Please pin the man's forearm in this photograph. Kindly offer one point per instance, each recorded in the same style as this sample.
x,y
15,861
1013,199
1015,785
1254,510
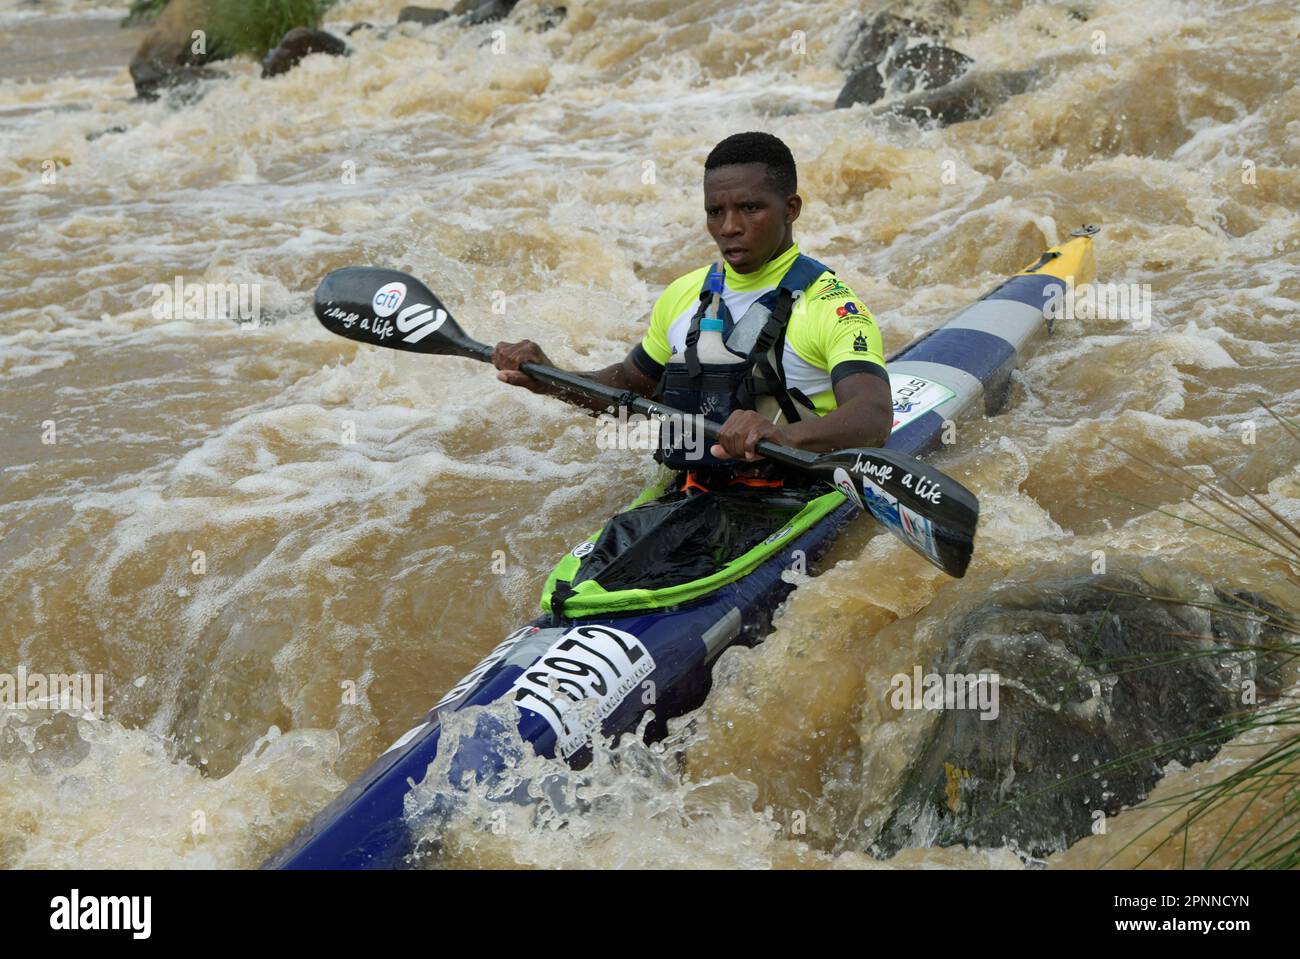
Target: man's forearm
x,y
612,376
857,423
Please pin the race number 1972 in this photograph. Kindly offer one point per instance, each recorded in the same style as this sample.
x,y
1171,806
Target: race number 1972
x,y
595,666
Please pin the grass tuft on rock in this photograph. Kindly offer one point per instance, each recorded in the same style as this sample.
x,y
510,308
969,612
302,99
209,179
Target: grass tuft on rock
x,y
1263,796
235,27
254,27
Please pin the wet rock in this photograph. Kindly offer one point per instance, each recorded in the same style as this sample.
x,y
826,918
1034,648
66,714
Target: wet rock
x,y
298,43
92,137
473,12
972,96
425,16
873,39
169,55
904,51
152,79
173,54
864,86
1097,692
925,67
485,11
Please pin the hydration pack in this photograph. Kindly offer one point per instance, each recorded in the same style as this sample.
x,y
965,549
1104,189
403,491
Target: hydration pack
x,y
756,376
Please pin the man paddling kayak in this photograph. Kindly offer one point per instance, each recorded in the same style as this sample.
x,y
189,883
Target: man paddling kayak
x,y
772,345
605,646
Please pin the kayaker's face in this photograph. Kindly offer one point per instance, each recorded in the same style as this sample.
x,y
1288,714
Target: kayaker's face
x,y
749,220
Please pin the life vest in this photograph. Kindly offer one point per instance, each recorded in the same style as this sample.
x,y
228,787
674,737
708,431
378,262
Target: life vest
x,y
716,390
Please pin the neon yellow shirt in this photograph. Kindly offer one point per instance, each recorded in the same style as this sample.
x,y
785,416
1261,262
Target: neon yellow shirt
x,y
831,334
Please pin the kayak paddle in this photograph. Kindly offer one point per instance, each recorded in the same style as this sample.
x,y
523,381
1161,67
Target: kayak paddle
x,y
928,510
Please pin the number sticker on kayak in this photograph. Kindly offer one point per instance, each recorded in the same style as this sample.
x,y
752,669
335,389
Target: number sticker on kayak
x,y
915,396
593,665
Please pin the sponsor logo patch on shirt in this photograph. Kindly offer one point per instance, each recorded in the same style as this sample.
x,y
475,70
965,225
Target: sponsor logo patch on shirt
x,y
853,313
835,290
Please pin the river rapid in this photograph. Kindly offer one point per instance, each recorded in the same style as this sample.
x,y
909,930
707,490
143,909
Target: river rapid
x,y
279,548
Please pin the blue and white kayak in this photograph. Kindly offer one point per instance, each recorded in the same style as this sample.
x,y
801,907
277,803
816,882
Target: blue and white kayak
x,y
960,368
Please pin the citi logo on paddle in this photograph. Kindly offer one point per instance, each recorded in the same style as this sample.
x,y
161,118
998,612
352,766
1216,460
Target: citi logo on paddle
x,y
977,691
388,298
417,320
70,692
76,912
208,301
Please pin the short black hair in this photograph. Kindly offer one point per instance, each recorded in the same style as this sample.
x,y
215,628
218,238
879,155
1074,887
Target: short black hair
x,y
757,147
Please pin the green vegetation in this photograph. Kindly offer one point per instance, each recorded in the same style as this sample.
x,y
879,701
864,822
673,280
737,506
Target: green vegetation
x,y
143,11
242,26
255,27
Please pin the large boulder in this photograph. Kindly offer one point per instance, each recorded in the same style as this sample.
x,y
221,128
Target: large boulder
x,y
170,54
872,39
153,77
975,95
896,53
298,43
1099,688
184,39
925,67
864,85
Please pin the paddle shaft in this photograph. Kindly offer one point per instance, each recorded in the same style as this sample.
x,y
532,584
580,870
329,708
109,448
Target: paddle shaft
x,y
929,511
581,386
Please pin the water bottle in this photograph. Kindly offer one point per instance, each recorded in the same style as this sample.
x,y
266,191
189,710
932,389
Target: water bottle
x,y
710,347
711,396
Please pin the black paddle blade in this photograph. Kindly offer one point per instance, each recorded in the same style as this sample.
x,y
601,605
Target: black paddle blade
x,y
391,309
931,512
